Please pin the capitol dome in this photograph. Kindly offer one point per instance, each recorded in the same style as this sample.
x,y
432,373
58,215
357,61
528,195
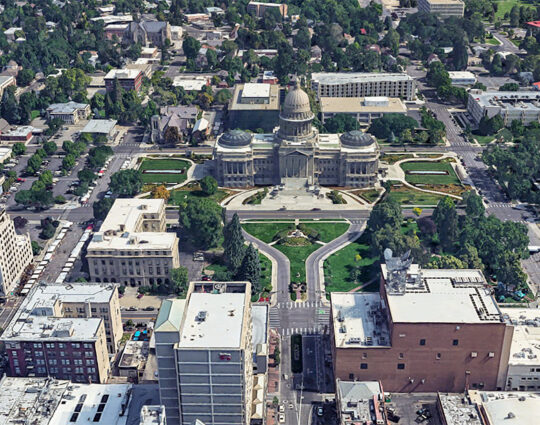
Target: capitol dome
x,y
356,139
235,138
296,105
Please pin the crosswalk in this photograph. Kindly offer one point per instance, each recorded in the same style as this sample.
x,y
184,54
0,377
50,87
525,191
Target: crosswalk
x,y
305,304
274,318
314,330
500,205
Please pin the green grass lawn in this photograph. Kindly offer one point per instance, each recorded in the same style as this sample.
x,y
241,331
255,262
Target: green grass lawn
x,y
484,140
369,195
266,231
34,114
505,6
297,256
337,267
414,197
178,196
449,178
329,231
164,164
493,41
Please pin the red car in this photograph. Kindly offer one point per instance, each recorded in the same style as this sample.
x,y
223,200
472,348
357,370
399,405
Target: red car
x,y
20,179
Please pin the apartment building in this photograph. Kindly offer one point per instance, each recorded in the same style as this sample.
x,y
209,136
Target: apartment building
x,y
523,106
63,348
129,79
132,246
204,355
259,8
427,330
360,84
442,8
15,254
81,300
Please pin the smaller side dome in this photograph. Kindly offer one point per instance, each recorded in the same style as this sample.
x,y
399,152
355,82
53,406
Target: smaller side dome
x,y
235,138
356,139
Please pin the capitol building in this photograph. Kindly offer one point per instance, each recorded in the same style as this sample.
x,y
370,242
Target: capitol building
x,y
296,150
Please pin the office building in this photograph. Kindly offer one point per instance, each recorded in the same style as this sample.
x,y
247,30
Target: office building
x,y
132,246
523,106
204,355
46,401
427,330
15,254
97,128
363,109
259,8
524,364
63,348
296,150
442,8
70,112
129,79
21,134
133,359
363,84
254,106
462,78
80,300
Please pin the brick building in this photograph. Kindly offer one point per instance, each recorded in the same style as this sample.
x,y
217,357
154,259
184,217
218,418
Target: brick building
x,y
426,330
129,79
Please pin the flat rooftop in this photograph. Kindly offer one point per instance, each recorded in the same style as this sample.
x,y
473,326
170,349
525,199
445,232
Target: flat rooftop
x,y
19,131
458,410
244,95
524,406
357,77
125,213
43,295
443,296
358,320
213,321
461,74
525,349
134,355
93,404
66,108
362,104
134,241
99,126
521,100
122,74
442,2
33,400
259,325
256,90
357,400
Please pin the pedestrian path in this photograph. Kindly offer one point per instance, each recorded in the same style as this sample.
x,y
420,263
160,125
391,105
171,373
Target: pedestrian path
x,y
313,330
274,318
500,205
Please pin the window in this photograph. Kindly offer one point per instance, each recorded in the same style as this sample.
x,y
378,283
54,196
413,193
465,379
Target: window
x,y
455,342
364,355
401,366
351,376
76,345
438,356
401,355
422,341
363,365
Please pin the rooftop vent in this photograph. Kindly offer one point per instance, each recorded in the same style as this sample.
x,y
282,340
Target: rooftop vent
x,y
231,312
201,316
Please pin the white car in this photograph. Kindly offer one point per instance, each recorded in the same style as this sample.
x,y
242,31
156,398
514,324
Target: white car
x,y
281,418
281,408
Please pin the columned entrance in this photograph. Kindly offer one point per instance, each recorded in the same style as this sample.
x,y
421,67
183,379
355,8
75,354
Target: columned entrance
x,y
296,166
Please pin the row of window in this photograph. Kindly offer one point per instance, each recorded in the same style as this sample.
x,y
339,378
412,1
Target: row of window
x,y
75,345
54,370
455,342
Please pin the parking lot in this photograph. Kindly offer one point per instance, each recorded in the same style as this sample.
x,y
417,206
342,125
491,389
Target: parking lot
x,y
406,406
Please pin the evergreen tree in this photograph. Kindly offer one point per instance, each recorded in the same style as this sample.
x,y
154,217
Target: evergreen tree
x,y
250,269
233,244
445,216
9,109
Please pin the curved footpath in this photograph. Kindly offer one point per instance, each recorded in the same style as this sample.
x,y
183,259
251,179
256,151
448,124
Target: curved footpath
x,y
281,268
314,263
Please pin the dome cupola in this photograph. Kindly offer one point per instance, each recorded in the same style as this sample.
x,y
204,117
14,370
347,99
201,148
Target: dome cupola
x,y
356,139
235,138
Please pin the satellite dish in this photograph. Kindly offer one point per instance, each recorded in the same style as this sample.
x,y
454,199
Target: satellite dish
x,y
387,254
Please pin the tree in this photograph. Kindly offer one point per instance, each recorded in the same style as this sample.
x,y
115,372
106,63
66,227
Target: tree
x,y
488,126
47,231
9,109
383,127
160,192
474,207
180,280
36,248
509,87
250,269
101,208
126,182
50,148
201,217
46,178
391,40
171,136
388,211
25,77
445,262
68,162
445,217
86,175
514,16
33,165
341,123
209,185
233,244
191,47
19,222
18,149
223,96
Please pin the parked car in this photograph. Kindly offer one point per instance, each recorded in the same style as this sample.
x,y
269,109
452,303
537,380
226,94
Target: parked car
x,y
132,309
140,295
320,411
281,418
149,308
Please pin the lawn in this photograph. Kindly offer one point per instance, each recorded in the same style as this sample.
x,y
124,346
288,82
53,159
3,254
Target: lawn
x,y
337,267
505,6
493,41
407,196
484,140
297,256
449,178
180,195
266,231
328,231
164,164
